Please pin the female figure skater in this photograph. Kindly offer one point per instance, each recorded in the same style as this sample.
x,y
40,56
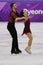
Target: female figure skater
x,y
27,30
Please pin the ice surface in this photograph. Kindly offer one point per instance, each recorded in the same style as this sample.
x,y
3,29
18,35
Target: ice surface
x,y
36,58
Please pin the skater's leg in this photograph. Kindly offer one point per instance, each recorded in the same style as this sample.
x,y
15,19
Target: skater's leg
x,y
28,48
13,35
30,39
16,41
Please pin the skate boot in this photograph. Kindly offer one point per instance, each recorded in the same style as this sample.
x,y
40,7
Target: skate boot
x,y
28,49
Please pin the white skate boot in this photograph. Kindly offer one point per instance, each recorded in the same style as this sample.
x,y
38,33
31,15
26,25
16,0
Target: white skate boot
x,y
28,49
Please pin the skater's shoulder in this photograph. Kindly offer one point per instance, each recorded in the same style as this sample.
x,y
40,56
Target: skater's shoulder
x,y
11,13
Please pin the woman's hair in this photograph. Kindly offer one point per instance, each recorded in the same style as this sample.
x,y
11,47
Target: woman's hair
x,y
11,5
21,13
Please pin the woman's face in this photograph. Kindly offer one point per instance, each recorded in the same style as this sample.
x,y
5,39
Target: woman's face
x,y
25,13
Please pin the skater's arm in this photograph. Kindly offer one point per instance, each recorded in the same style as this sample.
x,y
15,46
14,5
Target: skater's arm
x,y
20,18
29,17
17,18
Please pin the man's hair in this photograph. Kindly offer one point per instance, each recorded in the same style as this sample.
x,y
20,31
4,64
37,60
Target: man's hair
x,y
11,5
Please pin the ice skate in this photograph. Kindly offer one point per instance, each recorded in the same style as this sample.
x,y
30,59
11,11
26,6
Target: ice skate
x,y
28,50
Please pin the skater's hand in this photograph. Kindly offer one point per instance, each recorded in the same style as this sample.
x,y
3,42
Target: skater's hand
x,y
31,16
16,19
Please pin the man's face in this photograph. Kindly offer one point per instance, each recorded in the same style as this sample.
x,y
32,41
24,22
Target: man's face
x,y
15,6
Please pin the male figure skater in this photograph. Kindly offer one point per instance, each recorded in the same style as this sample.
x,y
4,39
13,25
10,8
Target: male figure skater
x,y
14,16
